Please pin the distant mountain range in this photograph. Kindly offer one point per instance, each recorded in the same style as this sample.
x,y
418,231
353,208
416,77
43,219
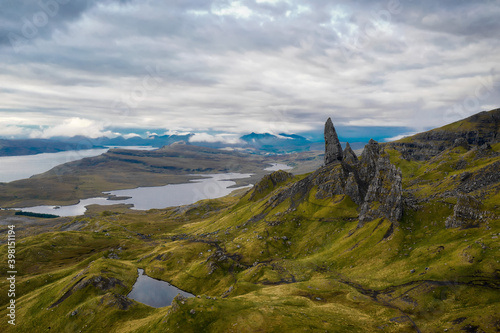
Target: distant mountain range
x,y
264,143
38,146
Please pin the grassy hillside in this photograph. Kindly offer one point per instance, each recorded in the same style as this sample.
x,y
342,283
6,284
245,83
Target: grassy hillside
x,y
300,264
309,267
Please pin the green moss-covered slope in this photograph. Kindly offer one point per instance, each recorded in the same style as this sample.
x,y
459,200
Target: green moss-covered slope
x,y
301,263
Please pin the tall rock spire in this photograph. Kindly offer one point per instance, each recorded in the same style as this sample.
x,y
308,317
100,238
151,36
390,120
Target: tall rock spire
x,y
333,149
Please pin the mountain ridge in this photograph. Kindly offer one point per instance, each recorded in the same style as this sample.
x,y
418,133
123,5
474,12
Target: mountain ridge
x,y
479,129
259,143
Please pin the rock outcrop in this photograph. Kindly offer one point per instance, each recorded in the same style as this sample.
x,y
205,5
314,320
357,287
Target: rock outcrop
x,y
349,155
368,161
116,300
352,189
467,213
99,282
372,182
480,179
333,149
384,196
269,182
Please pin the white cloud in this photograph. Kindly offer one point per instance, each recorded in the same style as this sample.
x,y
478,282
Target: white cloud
x,y
399,137
268,1
73,127
224,138
130,135
174,132
12,131
236,9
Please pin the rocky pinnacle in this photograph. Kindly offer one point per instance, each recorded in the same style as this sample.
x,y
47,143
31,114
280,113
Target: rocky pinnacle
x,y
349,155
333,149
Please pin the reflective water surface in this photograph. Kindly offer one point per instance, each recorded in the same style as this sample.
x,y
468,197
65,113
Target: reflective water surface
x,y
22,167
154,292
278,166
157,197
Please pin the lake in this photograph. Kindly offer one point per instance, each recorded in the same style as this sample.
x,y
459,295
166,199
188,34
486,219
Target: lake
x,y
278,166
22,167
154,292
144,198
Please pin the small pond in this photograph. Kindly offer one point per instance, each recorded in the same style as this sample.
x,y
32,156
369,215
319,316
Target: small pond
x,y
154,292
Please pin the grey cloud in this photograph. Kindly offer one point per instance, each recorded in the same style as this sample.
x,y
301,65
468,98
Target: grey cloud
x,y
30,18
253,72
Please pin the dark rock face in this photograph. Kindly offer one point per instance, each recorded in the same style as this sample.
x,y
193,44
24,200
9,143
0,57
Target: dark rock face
x,y
330,181
349,155
417,151
461,142
333,149
368,161
352,189
384,196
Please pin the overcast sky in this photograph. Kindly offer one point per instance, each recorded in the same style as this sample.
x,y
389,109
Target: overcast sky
x,y
97,67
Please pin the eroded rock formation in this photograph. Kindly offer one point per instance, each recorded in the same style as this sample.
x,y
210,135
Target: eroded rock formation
x,y
333,149
384,195
467,213
372,182
349,155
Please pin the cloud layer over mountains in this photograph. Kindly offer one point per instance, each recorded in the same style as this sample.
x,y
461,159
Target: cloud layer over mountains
x,y
278,66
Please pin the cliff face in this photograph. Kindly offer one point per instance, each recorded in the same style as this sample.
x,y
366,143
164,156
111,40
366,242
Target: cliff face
x,y
372,182
384,195
477,130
